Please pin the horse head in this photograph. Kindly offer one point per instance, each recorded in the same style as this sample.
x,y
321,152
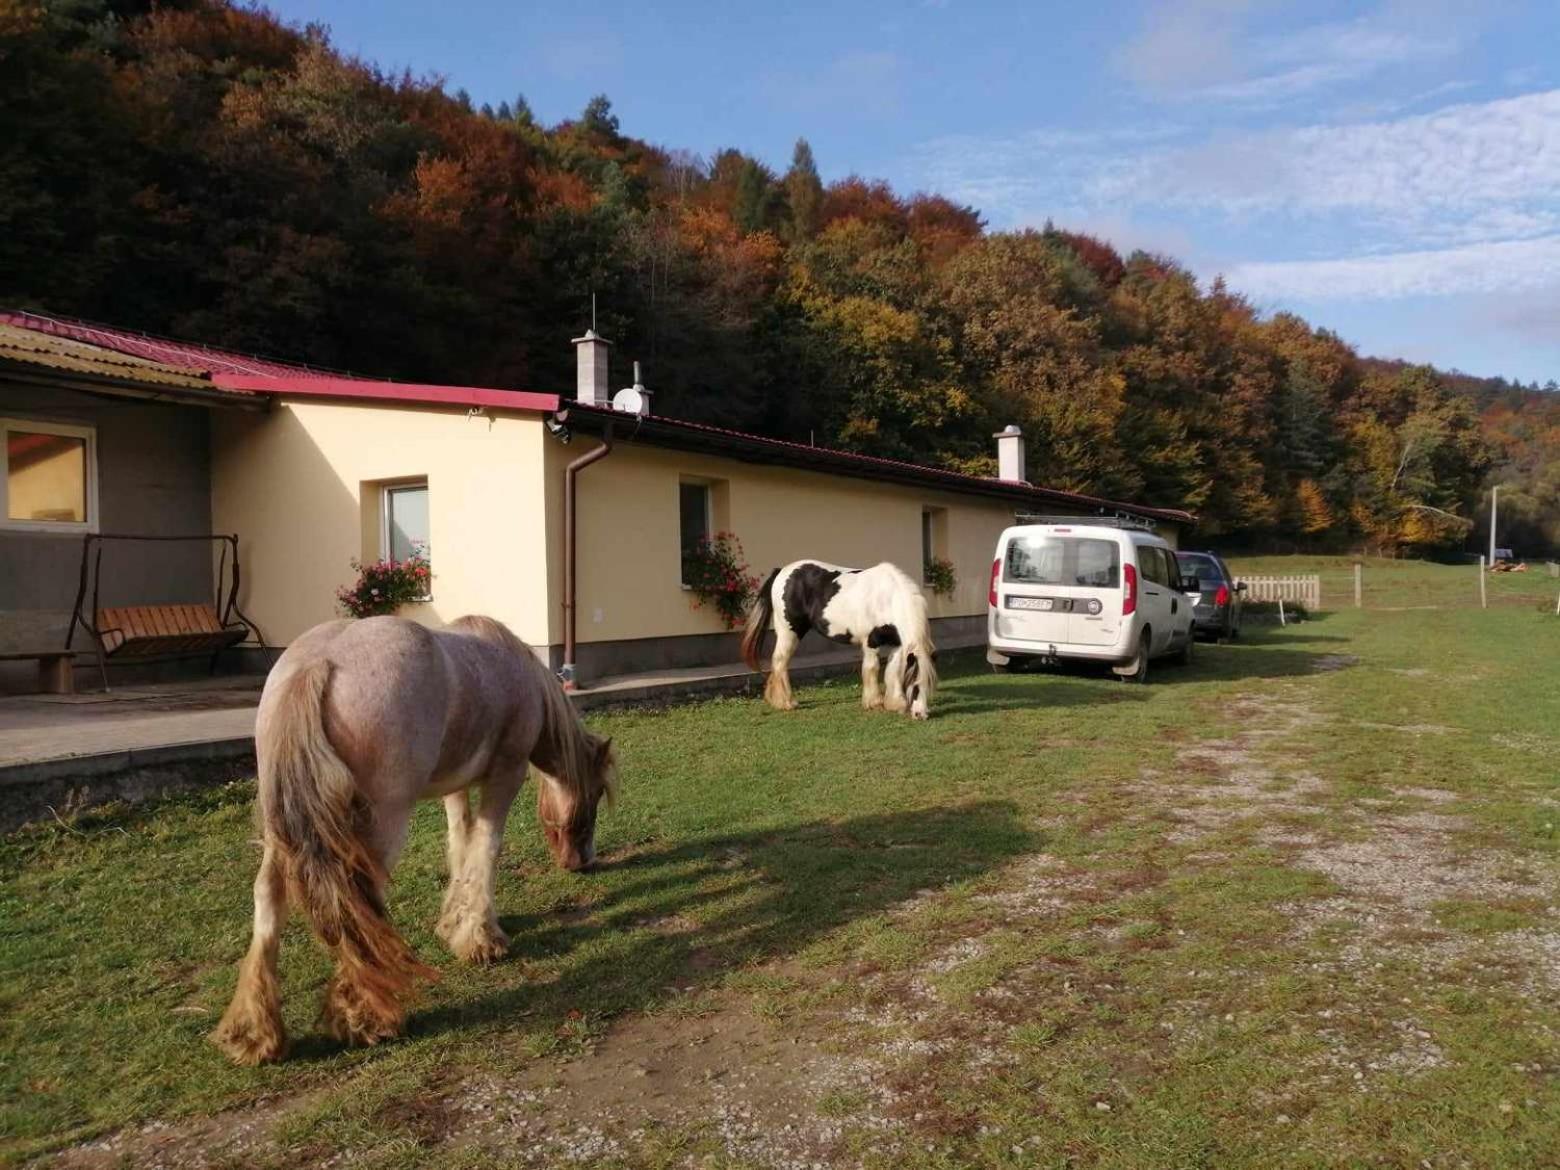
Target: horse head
x,y
566,806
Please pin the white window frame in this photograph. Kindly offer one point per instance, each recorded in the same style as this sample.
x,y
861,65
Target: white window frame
x,y
40,427
385,492
709,517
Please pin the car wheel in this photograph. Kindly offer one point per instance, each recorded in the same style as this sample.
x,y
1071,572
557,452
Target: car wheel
x,y
1183,656
1136,670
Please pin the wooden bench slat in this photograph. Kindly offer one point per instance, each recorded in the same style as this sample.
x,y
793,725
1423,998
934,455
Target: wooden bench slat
x,y
144,631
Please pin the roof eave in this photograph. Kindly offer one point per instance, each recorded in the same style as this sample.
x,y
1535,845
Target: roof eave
x,y
407,393
128,388
757,449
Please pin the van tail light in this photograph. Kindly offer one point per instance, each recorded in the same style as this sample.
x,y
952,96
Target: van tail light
x,y
1129,595
1222,597
996,571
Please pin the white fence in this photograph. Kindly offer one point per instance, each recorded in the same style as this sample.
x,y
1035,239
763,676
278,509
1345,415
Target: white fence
x,y
1305,590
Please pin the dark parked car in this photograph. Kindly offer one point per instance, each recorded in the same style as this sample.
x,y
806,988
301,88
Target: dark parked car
x,y
1216,602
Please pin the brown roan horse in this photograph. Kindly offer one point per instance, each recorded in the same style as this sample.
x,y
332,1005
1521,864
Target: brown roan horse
x,y
359,720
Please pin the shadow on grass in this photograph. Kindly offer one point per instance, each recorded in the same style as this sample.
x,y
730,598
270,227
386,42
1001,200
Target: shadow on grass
x,y
1074,683
652,932
1024,690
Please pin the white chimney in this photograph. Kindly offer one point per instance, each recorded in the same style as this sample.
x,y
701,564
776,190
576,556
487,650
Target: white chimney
x,y
590,364
1010,454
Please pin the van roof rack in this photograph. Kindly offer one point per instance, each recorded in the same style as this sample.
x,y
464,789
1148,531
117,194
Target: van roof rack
x,y
1119,520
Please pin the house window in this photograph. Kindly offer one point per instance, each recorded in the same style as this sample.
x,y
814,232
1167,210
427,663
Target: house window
x,y
693,506
50,481
406,521
934,538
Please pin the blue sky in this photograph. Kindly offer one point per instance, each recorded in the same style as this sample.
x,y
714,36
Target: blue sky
x,y
1388,170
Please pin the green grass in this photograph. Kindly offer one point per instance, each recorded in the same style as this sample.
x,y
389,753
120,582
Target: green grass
x,y
779,865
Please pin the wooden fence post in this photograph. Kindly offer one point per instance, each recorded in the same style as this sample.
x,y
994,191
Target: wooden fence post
x,y
1483,600
1359,571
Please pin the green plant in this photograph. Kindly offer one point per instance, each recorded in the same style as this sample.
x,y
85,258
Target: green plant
x,y
939,574
715,571
384,586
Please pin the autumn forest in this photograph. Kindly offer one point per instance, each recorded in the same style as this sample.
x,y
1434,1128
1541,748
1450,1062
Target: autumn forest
x,y
204,171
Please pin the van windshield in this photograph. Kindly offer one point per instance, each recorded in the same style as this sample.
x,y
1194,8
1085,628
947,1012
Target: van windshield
x,y
1063,560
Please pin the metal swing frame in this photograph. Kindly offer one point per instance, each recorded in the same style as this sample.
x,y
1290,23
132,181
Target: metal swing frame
x,y
169,643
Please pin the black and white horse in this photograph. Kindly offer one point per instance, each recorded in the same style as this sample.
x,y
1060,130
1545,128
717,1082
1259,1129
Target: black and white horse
x,y
879,608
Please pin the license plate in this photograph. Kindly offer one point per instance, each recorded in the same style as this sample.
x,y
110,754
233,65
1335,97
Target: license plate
x,y
1040,603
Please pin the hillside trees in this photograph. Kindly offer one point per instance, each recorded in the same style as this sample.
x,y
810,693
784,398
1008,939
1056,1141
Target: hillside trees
x,y
201,169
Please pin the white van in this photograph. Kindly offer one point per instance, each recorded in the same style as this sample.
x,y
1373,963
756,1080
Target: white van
x,y
1094,588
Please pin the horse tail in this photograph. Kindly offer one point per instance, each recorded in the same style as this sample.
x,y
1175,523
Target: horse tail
x,y
312,813
760,614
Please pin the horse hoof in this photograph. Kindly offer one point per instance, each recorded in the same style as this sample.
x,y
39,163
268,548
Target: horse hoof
x,y
353,1017
251,1041
481,947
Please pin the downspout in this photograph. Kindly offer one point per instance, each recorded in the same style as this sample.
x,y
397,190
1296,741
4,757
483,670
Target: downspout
x,y
570,520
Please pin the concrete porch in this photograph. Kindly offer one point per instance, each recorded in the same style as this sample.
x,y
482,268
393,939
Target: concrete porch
x,y
63,753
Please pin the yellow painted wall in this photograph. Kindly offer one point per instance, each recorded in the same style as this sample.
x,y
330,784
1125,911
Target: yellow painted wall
x,y
291,482
299,484
629,555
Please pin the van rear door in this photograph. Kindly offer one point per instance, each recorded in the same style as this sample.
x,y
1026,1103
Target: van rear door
x,y
1061,588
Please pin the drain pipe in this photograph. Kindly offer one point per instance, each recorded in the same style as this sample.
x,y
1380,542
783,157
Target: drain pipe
x,y
570,520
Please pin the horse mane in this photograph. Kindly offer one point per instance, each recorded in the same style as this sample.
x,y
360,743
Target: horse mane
x,y
571,751
915,632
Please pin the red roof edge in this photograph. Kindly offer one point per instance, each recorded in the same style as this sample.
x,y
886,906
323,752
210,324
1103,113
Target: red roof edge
x,y
313,386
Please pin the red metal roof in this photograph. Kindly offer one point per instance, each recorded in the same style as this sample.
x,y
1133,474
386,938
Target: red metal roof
x,y
240,374
185,354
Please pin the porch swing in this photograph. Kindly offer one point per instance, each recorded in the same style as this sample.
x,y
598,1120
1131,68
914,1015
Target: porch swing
x,y
160,633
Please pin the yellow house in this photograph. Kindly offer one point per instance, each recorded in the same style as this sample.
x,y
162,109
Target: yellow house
x,y
331,469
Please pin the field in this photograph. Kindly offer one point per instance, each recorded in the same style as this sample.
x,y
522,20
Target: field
x,y
1292,905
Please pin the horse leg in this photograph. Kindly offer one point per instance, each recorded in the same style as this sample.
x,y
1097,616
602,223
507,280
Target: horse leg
x,y
895,679
251,1030
457,810
871,691
362,1005
778,689
476,936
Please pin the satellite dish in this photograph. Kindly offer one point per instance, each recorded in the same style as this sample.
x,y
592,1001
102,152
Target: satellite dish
x,y
633,400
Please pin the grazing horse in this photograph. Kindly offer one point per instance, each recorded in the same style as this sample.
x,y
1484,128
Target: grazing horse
x,y
874,608
359,720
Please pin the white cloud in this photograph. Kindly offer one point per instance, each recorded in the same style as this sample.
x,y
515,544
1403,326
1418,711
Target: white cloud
x,y
1506,266
1461,157
1203,50
867,82
1463,199
1185,45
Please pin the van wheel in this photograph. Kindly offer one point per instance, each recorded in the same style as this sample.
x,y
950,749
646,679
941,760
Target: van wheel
x,y
1136,671
1013,665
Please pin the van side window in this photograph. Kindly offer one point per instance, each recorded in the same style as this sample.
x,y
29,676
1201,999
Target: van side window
x,y
1152,559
